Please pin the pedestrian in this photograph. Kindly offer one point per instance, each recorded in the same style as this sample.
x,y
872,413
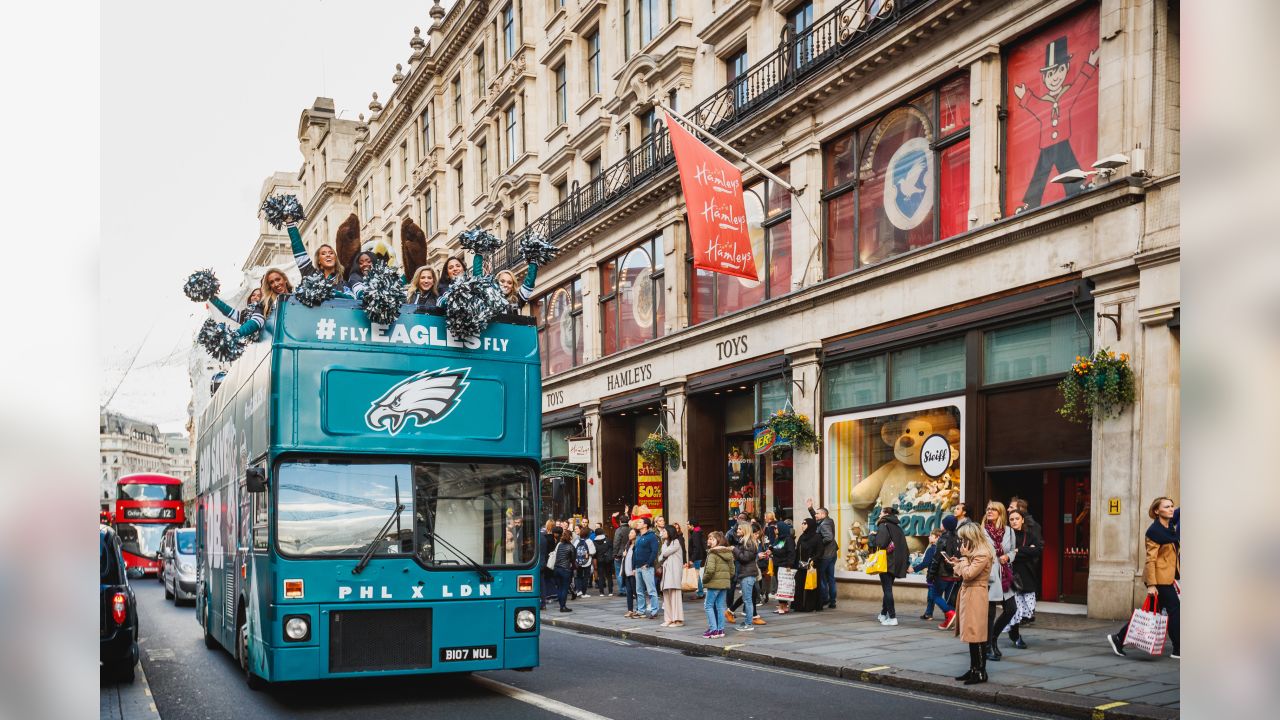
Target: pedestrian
x,y
1036,531
808,552
547,539
564,564
765,563
973,568
620,543
784,556
767,539
645,558
1163,542
746,555
672,577
1002,609
715,579
732,539
697,553
1026,573
604,562
941,575
584,554
629,573
926,564
830,549
891,539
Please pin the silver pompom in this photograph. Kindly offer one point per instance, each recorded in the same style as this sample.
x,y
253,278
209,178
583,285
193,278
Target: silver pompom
x,y
535,249
383,294
314,289
201,286
480,241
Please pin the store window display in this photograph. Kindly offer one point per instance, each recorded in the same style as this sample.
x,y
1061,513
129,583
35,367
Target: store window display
x,y
907,458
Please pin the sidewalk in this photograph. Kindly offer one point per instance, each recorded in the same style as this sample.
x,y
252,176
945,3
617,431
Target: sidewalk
x,y
1068,668
127,701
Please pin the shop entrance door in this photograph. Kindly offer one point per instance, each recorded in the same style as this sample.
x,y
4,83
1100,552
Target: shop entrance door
x,y
741,478
1059,501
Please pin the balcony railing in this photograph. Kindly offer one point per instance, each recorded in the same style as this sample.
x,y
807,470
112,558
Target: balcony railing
x,y
799,56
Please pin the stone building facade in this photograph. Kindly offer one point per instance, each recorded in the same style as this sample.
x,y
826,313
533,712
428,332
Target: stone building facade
x,y
935,272
128,446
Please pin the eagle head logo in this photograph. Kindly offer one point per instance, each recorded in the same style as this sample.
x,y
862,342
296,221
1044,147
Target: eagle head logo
x,y
424,398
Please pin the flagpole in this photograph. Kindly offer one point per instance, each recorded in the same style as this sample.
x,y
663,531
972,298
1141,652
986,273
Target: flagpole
x,y
728,148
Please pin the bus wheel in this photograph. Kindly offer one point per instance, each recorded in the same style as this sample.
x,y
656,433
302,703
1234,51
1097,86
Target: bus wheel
x,y
209,641
242,650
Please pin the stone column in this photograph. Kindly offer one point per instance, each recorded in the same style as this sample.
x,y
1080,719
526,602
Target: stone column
x,y
804,398
1115,546
985,98
678,479
806,246
591,421
675,270
591,340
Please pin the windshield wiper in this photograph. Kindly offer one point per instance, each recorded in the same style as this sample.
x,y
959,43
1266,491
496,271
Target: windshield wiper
x,y
368,554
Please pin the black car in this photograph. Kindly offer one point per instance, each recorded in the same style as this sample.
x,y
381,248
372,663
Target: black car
x,y
118,612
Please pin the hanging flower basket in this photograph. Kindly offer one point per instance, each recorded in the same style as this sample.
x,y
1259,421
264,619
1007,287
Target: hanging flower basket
x,y
1097,387
660,444
795,428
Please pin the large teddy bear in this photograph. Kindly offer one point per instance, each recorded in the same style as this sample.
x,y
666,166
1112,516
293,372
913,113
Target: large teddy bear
x,y
900,482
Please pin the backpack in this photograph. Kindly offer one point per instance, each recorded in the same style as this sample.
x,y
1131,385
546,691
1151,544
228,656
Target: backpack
x,y
584,550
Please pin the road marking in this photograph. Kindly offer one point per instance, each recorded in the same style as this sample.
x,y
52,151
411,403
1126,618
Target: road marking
x,y
154,654
877,668
1100,711
914,695
536,700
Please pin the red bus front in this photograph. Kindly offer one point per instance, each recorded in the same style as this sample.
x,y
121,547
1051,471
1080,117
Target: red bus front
x,y
146,506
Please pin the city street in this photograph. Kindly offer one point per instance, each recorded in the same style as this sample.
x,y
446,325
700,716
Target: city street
x,y
581,676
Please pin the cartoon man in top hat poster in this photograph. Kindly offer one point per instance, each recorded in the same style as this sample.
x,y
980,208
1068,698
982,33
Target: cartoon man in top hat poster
x,y
1053,109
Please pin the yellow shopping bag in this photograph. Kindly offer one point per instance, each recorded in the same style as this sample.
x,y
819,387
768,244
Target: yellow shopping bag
x,y
811,578
877,563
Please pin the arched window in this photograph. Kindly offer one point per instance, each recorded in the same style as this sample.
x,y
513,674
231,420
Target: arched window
x,y
559,315
632,292
899,182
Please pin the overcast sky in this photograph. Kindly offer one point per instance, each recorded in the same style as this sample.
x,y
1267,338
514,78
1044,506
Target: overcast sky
x,y
200,103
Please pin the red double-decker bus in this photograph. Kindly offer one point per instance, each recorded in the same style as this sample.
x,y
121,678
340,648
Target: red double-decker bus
x,y
147,504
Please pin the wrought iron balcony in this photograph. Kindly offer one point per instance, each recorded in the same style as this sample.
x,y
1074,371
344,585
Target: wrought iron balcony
x,y
798,57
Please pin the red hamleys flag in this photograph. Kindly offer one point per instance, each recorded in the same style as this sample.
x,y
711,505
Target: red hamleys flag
x,y
717,213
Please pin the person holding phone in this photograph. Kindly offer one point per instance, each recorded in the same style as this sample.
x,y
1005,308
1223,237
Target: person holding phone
x,y
973,567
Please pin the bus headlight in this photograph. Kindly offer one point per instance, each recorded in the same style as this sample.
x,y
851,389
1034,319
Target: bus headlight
x,y
525,619
296,628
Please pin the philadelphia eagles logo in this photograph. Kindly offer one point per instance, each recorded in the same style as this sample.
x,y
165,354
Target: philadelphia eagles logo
x,y
424,398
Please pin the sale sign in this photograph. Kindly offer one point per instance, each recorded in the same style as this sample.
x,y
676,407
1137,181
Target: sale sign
x,y
649,485
717,213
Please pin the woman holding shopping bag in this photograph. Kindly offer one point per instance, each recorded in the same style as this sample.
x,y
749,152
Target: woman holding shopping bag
x,y
808,551
1164,543
974,570
891,539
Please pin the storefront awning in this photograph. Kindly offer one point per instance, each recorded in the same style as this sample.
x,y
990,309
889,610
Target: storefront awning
x,y
636,399
738,374
567,416
1041,299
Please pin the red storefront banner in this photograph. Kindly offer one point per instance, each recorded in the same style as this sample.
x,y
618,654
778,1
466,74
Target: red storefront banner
x,y
717,213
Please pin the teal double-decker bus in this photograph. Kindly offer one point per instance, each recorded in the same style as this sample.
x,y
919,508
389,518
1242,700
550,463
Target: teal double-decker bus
x,y
368,498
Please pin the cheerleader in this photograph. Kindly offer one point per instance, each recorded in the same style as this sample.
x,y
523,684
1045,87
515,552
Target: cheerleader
x,y
422,288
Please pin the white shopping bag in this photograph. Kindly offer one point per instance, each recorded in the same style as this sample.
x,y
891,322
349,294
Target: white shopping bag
x,y
1147,628
786,585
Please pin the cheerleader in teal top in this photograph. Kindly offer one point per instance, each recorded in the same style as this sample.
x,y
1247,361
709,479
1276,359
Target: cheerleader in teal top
x,y
326,261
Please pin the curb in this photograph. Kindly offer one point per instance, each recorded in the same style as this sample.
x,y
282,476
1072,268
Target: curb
x,y
1023,698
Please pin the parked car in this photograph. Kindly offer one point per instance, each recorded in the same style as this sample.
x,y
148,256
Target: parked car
x,y
118,612
178,573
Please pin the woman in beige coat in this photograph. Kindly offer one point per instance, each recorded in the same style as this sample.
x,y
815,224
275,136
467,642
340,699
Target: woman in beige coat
x,y
973,569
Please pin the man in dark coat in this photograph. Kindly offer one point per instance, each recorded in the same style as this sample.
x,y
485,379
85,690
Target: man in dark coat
x,y
830,549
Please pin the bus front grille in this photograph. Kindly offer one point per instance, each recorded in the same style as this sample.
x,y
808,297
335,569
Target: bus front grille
x,y
379,639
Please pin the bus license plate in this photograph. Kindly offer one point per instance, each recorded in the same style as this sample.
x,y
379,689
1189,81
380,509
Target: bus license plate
x,y
462,654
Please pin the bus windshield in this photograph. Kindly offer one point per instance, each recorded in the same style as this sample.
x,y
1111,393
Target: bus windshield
x,y
453,513
144,491
141,540
186,541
